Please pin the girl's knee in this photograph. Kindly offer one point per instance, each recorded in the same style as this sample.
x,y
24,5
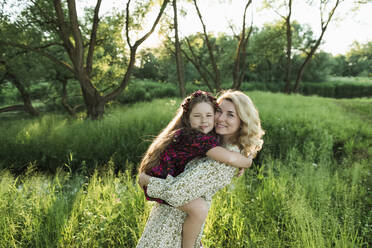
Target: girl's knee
x,y
199,209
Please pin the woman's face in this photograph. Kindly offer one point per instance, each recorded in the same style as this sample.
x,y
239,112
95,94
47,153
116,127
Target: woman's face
x,y
227,121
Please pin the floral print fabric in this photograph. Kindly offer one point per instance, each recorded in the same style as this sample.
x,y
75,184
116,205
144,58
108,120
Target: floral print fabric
x,y
186,145
201,178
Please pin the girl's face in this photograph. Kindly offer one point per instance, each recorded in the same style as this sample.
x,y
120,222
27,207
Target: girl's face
x,y
227,121
202,117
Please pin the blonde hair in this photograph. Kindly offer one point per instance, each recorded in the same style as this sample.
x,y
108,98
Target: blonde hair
x,y
249,137
180,120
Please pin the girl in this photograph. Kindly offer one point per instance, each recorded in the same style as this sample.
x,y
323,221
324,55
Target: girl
x,y
189,135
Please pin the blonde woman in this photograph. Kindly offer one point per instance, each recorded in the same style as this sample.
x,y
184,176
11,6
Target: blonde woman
x,y
237,122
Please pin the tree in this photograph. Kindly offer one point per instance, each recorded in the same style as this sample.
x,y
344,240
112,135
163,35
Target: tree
x,y
148,67
326,15
18,67
266,53
325,19
207,74
318,69
359,59
178,54
284,10
9,75
241,51
61,27
217,78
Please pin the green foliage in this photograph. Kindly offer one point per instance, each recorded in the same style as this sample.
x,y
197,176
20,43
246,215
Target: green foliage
x,y
309,186
359,59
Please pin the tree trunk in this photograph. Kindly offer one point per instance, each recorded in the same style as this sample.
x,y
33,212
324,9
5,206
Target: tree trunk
x,y
217,78
302,69
65,104
27,105
239,61
72,39
288,68
202,70
93,100
180,70
12,108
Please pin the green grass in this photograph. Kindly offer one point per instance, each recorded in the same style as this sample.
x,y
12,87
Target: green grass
x,y
53,140
316,126
310,186
295,204
68,210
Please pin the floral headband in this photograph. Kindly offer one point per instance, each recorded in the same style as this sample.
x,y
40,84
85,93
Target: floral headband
x,y
198,93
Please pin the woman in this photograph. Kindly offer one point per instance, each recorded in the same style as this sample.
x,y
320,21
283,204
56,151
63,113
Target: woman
x,y
238,123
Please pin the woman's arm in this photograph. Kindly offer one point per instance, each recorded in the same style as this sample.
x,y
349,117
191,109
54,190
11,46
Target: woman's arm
x,y
205,177
231,158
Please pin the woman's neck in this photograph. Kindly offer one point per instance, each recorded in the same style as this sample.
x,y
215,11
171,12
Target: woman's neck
x,y
227,139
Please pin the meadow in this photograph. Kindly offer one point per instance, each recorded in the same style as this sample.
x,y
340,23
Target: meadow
x,y
70,182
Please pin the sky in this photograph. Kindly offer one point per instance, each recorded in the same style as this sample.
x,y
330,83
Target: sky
x,y
344,29
347,27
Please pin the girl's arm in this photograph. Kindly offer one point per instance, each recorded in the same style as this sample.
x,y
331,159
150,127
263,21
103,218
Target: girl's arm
x,y
231,158
203,178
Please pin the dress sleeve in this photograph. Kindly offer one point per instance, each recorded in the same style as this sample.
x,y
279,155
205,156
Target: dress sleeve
x,y
202,178
195,143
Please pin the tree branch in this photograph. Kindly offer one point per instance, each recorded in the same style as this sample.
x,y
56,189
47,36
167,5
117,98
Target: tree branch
x,y
127,24
210,50
93,37
139,42
63,30
133,50
39,51
79,48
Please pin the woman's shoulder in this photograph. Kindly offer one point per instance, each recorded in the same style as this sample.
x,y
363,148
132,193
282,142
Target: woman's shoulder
x,y
232,147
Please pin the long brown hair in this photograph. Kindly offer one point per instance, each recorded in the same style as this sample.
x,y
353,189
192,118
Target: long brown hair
x,y
180,120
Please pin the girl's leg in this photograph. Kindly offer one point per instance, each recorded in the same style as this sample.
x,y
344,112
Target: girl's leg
x,y
197,211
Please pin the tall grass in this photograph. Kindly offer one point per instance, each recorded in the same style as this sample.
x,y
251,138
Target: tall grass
x,y
310,186
317,126
53,140
66,210
277,206
307,207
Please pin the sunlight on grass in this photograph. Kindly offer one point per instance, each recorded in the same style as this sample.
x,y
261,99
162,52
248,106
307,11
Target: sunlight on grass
x,y
310,186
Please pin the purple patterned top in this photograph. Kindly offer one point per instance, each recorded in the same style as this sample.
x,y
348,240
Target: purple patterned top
x,y
186,146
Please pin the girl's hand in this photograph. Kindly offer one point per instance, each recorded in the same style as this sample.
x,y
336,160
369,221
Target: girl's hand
x,y
241,172
143,179
250,157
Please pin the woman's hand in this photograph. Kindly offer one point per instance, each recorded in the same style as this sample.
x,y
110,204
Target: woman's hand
x,y
143,179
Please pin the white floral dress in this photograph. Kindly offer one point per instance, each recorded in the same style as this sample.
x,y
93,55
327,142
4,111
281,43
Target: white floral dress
x,y
201,178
